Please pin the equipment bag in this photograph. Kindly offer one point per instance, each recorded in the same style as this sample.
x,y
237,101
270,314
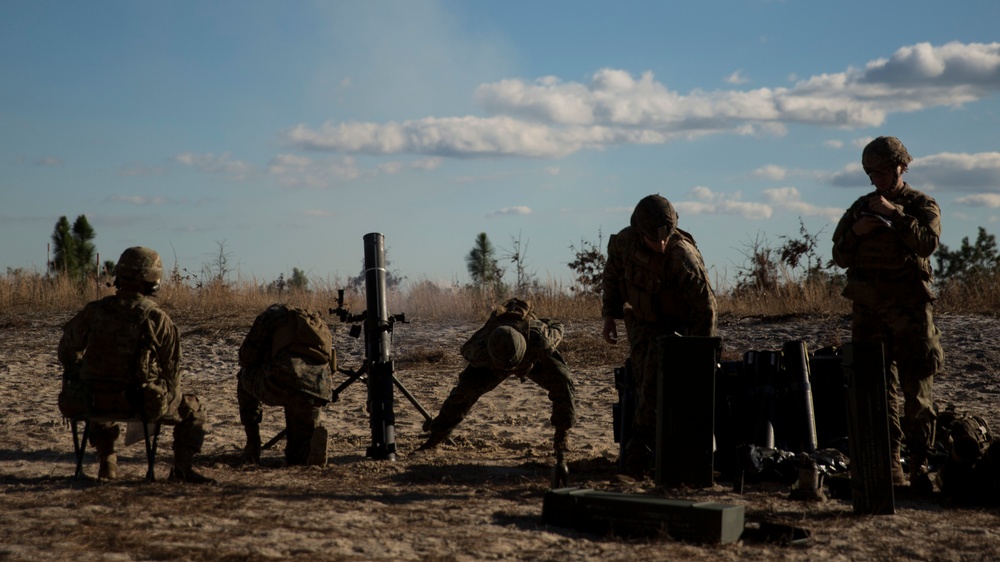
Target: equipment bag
x,y
304,334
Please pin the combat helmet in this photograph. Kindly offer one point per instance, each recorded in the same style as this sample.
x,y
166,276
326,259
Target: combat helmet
x,y
506,347
654,217
140,264
883,153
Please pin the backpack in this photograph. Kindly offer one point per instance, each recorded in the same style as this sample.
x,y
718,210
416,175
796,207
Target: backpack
x,y
304,334
514,313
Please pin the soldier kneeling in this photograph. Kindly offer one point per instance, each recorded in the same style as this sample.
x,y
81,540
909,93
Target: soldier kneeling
x,y
287,359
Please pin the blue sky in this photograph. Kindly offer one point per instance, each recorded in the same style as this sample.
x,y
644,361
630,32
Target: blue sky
x,y
284,132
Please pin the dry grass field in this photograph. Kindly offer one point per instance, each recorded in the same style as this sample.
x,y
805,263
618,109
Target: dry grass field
x,y
479,498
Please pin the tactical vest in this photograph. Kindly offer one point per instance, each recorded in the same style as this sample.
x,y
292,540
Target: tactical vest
x,y
884,250
653,296
515,313
119,347
303,334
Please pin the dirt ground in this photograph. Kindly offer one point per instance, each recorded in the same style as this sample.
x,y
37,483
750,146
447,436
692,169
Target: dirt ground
x,y
477,499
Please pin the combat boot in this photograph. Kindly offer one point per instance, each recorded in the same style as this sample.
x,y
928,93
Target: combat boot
x,y
184,472
107,459
433,440
920,481
108,466
318,447
896,466
637,458
251,451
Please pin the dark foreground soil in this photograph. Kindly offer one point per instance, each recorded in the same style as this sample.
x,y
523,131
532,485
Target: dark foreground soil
x,y
479,498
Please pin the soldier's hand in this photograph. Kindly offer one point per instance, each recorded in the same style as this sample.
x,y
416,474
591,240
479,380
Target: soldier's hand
x,y
881,205
867,225
610,331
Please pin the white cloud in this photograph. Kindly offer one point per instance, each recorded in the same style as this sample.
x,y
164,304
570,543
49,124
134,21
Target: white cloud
x,y
790,199
548,117
396,167
49,161
462,137
708,202
960,172
737,78
770,172
138,169
209,163
861,143
833,143
991,200
293,171
137,200
519,210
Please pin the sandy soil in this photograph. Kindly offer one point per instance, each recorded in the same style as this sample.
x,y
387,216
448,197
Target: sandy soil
x,y
478,499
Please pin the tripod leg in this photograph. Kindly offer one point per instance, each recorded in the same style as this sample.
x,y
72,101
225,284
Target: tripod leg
x,y
412,400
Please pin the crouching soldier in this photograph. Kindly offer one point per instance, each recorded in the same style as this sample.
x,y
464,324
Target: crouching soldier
x,y
122,354
513,342
287,359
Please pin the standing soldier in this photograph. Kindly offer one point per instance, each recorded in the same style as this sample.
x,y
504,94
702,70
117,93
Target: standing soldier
x,y
885,240
287,359
513,342
656,281
123,352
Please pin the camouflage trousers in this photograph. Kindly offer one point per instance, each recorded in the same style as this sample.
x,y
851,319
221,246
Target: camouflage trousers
x,y
550,373
188,419
302,411
913,355
645,357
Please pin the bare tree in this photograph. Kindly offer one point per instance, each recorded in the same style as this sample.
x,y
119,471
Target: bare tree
x,y
217,270
525,279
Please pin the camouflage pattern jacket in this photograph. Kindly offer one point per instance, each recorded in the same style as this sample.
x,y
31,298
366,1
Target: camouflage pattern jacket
x,y
541,335
292,357
670,291
121,343
893,262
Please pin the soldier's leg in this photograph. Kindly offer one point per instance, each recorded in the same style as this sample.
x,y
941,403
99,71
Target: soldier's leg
x,y
552,374
302,422
870,326
473,382
251,414
919,357
189,436
639,449
102,437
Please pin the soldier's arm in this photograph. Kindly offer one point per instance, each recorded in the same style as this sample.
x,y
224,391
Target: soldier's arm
x,y
256,347
697,291
845,241
73,342
474,350
612,281
920,231
167,347
549,333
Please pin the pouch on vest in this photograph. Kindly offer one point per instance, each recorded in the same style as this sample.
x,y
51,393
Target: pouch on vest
x,y
74,398
304,334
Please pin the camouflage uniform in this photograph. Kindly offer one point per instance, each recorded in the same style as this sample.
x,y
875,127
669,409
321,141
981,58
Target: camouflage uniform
x,y
297,380
120,345
889,282
540,363
657,294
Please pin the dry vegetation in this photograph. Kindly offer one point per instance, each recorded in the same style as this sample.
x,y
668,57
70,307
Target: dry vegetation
x,y
477,499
